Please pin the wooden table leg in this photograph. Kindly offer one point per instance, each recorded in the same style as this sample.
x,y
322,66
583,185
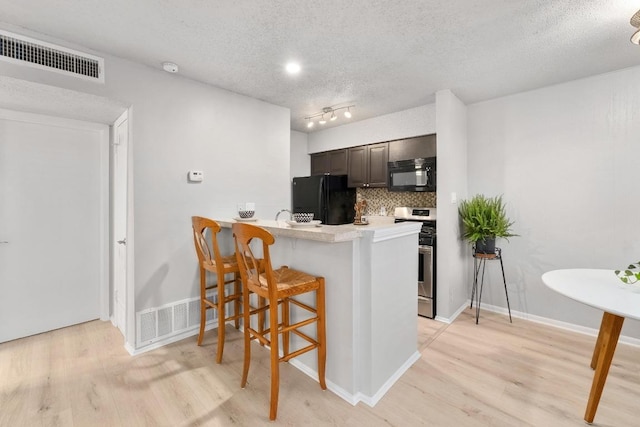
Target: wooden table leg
x,y
605,347
596,349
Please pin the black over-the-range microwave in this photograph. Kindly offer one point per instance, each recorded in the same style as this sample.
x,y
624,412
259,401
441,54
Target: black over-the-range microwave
x,y
413,175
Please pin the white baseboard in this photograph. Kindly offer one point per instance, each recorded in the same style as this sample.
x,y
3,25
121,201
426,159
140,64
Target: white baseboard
x,y
635,342
450,320
356,398
372,400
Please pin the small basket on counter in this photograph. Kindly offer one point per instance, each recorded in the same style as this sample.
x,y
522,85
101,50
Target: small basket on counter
x,y
303,217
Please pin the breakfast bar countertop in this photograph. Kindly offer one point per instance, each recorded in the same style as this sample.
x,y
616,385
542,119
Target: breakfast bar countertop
x,y
328,233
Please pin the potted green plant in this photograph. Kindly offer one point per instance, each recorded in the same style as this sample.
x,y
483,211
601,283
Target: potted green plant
x,y
631,275
484,219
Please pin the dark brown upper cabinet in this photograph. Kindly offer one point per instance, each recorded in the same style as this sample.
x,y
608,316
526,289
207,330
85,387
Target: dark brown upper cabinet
x,y
368,165
412,148
330,162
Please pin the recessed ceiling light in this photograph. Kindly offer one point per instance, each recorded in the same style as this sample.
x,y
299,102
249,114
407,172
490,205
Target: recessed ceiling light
x,y
170,67
293,68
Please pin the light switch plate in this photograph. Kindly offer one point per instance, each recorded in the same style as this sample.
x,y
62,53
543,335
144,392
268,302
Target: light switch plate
x,y
196,176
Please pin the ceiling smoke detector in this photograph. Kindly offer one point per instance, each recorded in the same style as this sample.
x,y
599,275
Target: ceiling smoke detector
x,y
170,67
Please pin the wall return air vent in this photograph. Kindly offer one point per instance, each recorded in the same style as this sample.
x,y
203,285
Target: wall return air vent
x,y
23,50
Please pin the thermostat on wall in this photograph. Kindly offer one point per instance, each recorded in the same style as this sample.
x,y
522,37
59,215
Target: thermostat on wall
x,y
195,176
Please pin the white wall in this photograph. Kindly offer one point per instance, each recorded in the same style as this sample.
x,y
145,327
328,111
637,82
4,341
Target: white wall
x,y
240,143
566,160
300,159
452,253
403,124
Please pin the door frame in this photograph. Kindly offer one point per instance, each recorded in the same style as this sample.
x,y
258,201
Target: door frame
x,y
119,215
128,327
103,131
129,303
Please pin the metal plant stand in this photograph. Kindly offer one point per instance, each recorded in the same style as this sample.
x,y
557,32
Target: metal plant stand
x,y
479,261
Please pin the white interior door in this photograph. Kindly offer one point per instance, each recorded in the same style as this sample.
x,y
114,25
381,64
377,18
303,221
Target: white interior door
x,y
54,218
119,212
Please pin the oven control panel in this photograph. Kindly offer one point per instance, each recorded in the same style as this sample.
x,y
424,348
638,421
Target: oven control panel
x,y
415,214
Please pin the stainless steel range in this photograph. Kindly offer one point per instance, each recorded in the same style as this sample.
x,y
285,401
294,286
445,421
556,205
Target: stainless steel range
x,y
426,256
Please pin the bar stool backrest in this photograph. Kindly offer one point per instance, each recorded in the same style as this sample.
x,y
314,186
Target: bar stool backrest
x,y
256,272
207,255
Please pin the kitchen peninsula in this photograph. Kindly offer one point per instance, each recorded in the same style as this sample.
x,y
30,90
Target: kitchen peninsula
x,y
371,299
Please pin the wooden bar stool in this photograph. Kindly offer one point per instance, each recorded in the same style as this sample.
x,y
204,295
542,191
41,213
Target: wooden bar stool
x,y
277,287
210,260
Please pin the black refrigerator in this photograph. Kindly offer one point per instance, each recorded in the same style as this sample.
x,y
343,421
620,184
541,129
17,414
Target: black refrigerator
x,y
327,196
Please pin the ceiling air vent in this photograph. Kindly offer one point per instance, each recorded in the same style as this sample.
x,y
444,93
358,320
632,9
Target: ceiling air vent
x,y
35,53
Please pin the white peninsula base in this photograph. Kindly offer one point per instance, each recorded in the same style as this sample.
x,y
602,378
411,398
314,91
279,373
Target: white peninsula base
x,y
371,310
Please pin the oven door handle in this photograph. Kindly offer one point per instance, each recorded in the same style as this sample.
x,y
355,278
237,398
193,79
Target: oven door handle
x,y
424,249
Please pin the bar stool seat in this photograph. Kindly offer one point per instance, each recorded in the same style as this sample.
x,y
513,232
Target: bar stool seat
x,y
277,287
210,260
479,261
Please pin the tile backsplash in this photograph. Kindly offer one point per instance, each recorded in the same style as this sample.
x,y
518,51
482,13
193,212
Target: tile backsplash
x,y
381,197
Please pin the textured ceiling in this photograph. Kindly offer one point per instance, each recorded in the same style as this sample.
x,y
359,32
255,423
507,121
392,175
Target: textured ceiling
x,y
383,56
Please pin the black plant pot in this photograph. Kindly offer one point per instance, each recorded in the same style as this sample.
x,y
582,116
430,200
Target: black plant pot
x,y
486,245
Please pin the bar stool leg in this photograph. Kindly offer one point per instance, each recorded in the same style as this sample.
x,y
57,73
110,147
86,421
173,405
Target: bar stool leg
x,y
504,280
285,324
237,289
221,316
322,334
275,357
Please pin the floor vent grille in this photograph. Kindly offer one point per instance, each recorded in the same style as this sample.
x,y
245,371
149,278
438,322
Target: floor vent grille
x,y
24,50
159,323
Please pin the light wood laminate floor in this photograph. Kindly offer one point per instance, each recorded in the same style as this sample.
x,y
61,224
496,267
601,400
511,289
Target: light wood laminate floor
x,y
491,374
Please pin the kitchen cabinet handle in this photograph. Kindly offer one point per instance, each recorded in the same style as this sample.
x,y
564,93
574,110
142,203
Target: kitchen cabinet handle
x,y
123,241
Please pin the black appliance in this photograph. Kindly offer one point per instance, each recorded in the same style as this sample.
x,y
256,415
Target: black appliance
x,y
426,256
413,175
327,196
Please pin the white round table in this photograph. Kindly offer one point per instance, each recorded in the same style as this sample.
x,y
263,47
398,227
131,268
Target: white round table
x,y
603,290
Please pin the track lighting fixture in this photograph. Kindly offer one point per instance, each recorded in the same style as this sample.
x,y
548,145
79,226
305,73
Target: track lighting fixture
x,y
332,117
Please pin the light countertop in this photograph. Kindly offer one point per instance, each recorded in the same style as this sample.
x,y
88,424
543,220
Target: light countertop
x,y
332,233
